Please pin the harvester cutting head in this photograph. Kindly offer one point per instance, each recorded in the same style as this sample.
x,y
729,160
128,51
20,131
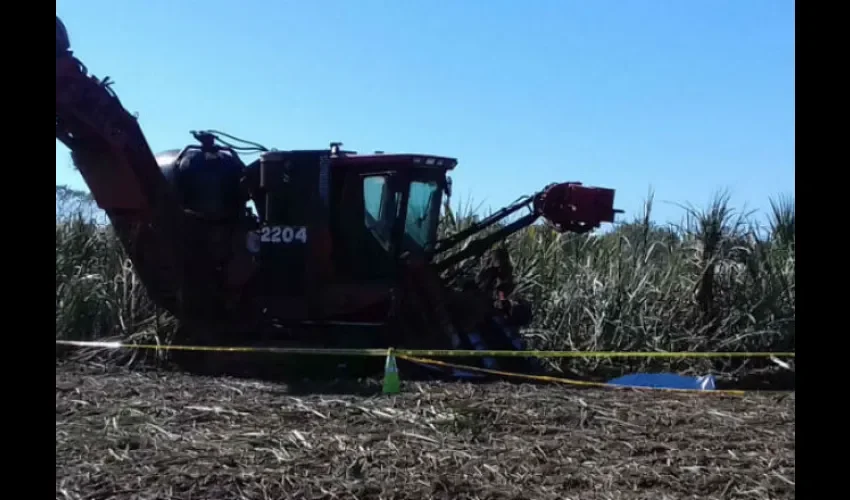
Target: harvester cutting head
x,y
573,207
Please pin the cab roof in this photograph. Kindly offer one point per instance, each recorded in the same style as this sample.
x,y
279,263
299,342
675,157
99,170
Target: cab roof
x,y
405,159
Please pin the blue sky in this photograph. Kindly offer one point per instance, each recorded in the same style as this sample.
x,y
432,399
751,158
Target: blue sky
x,y
686,97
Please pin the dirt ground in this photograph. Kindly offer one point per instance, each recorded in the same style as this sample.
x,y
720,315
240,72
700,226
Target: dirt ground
x,y
164,435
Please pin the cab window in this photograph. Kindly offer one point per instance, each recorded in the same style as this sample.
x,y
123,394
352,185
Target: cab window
x,y
380,207
419,224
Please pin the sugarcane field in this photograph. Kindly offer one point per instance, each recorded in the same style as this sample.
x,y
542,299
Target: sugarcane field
x,y
469,251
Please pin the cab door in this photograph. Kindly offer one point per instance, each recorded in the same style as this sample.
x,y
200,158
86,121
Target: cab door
x,y
367,220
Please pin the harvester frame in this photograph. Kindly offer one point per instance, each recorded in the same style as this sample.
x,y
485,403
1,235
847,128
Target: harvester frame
x,y
341,249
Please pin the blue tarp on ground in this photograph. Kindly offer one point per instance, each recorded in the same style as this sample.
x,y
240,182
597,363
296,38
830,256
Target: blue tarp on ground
x,y
665,381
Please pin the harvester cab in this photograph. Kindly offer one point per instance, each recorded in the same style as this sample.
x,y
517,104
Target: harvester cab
x,y
340,250
350,216
385,206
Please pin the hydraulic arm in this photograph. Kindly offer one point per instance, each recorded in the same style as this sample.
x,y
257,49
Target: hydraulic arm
x,y
568,206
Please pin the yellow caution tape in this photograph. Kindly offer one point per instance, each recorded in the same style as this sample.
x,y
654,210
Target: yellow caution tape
x,y
590,354
413,355
559,380
245,349
427,352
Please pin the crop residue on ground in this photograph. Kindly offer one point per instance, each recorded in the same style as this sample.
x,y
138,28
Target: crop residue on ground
x,y
121,434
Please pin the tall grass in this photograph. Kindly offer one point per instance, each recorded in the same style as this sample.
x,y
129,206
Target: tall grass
x,y
98,295
714,281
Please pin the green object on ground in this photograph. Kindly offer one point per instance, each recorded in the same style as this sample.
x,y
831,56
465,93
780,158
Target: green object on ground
x,y
392,382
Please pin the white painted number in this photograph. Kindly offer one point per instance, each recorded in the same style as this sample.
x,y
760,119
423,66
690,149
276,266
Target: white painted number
x,y
283,234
